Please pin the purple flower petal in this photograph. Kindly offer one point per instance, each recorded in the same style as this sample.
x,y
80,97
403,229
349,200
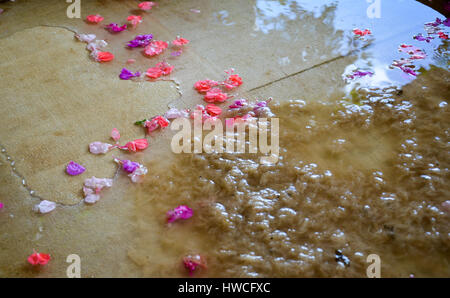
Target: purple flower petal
x,y
446,22
360,74
237,104
140,41
180,212
74,169
113,27
176,53
261,104
408,70
435,23
420,37
126,74
130,166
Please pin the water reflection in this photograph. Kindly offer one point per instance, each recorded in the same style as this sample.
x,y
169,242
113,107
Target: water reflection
x,y
223,17
272,15
377,53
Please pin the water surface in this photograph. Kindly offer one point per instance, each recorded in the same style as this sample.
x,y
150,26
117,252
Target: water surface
x,y
363,164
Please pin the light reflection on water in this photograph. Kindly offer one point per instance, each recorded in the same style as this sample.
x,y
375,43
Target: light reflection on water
x,y
399,21
222,16
271,15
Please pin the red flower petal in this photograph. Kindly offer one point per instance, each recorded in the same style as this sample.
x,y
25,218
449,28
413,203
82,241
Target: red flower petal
x,y
165,67
213,110
104,56
141,144
233,81
161,121
38,259
154,72
204,86
442,35
94,19
33,259
131,146
162,68
361,32
180,41
215,95
43,258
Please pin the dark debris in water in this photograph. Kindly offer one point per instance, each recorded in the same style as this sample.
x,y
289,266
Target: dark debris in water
x,y
341,258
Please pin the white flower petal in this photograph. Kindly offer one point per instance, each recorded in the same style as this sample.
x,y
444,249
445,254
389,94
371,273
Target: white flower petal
x,y
45,206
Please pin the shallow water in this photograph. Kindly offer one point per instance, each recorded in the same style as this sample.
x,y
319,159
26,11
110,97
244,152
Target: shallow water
x,y
361,179
363,165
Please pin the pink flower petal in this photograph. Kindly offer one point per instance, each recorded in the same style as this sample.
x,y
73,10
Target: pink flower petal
x,y
192,263
215,95
180,212
147,5
155,123
115,135
134,20
156,47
